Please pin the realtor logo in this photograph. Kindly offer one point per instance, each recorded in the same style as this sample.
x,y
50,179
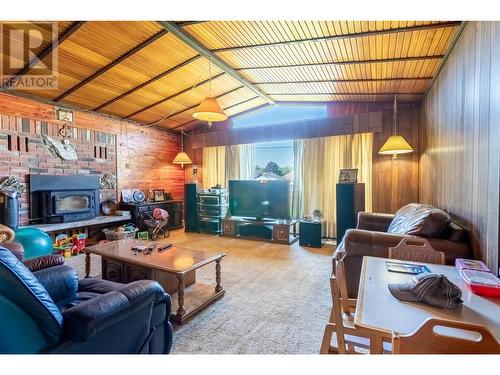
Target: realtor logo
x,y
28,61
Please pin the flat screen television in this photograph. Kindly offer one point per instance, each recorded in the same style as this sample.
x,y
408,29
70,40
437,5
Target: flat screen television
x,y
260,199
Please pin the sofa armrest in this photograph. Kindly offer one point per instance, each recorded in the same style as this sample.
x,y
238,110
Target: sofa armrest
x,y
82,322
374,221
60,281
15,248
360,242
46,261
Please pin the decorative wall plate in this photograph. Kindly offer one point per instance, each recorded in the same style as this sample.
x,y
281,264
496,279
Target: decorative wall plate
x,y
139,196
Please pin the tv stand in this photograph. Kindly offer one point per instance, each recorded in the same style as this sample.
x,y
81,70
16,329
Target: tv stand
x,y
277,231
258,220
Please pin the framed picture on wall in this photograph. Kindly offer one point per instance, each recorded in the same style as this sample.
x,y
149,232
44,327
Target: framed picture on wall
x,y
65,115
159,195
127,195
348,176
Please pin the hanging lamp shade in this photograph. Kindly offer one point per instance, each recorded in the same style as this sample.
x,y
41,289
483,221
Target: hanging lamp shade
x,y
209,110
182,158
395,145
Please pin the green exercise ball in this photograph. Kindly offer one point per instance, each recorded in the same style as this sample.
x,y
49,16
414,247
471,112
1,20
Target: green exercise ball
x,y
35,242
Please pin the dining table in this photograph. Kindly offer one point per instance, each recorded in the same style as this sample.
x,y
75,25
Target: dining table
x,y
379,311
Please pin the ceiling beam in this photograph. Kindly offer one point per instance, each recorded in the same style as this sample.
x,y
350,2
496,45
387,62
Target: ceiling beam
x,y
350,62
184,124
396,79
112,64
189,23
187,89
148,82
204,51
243,102
343,36
48,50
346,93
194,106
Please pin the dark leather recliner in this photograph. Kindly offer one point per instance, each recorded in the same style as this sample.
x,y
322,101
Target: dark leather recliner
x,y
371,238
50,311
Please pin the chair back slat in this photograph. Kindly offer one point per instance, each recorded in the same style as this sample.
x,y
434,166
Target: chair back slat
x,y
416,250
433,337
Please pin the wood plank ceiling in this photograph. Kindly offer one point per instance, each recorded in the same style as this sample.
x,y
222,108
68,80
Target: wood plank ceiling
x,y
142,72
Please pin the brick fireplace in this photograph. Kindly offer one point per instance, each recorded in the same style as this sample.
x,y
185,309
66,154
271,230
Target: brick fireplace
x,y
140,157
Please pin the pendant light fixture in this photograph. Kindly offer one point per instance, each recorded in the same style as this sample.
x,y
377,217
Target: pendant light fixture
x,y
395,144
182,158
209,109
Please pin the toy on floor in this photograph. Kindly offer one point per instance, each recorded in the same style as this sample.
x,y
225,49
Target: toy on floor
x,y
156,223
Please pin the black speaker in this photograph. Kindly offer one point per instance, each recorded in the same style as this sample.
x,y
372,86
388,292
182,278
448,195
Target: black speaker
x,y
310,233
191,207
350,200
9,209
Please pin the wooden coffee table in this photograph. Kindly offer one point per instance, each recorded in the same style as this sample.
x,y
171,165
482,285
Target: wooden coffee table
x,y
175,269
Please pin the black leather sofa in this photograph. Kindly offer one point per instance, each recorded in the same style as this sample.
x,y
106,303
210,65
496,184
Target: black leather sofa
x,y
50,311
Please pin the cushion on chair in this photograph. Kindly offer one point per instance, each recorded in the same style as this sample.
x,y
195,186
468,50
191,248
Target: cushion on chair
x,y
87,289
89,317
419,220
60,282
21,287
98,286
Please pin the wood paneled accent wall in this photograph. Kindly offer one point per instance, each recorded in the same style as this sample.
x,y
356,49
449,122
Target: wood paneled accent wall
x,y
358,123
140,157
395,183
460,138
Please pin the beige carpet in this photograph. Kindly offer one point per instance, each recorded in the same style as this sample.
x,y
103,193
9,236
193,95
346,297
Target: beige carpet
x,y
277,298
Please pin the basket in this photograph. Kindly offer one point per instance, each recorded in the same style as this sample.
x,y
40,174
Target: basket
x,y
112,235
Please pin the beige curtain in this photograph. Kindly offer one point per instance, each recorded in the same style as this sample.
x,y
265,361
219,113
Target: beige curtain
x,y
214,166
224,163
232,163
322,160
247,165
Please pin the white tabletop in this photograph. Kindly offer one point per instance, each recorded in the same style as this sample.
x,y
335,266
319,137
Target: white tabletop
x,y
378,309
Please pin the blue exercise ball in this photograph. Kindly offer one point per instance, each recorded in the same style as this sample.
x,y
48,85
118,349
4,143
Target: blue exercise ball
x,y
35,242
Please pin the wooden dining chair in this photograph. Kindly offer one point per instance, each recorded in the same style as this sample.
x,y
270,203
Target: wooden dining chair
x,y
438,336
350,339
416,250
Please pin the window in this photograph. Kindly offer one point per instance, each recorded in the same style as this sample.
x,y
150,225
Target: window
x,y
273,160
281,114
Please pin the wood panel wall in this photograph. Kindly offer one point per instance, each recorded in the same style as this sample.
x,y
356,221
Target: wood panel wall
x,y
143,155
460,138
395,183
357,123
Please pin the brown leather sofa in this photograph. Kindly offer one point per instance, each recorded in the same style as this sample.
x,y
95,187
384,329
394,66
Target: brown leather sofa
x,y
371,238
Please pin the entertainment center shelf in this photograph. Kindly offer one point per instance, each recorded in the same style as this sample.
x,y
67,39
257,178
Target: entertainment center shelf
x,y
277,231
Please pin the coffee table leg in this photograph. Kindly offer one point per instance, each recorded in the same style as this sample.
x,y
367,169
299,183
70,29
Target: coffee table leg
x,y
218,287
87,265
180,294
